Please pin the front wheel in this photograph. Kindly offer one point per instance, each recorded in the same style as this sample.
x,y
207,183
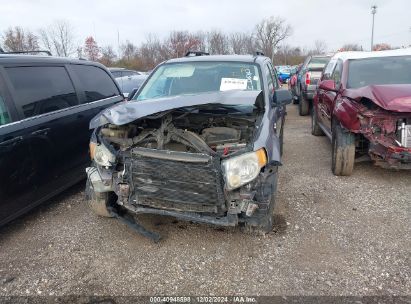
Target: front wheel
x,y
99,201
303,106
343,151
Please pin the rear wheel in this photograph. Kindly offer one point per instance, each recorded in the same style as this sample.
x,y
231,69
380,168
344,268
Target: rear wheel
x,y
303,105
99,201
343,151
315,128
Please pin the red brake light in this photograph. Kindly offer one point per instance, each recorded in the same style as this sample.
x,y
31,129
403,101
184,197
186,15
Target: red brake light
x,y
307,78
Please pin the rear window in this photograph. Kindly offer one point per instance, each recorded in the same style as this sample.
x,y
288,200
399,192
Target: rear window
x,y
97,84
40,90
382,70
318,62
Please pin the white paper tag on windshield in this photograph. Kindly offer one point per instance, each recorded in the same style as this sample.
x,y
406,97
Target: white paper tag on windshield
x,y
233,84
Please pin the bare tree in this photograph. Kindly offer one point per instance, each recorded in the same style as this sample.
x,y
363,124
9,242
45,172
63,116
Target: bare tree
x,y
108,56
320,47
179,42
217,42
269,33
18,40
128,50
242,43
350,47
59,38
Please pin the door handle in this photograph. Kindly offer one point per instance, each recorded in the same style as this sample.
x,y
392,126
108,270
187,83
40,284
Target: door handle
x,y
11,141
41,132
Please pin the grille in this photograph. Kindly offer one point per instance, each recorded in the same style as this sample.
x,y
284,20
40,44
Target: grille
x,y
176,180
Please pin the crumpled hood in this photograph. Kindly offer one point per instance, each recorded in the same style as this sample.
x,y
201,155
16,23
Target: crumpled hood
x,y
126,112
392,97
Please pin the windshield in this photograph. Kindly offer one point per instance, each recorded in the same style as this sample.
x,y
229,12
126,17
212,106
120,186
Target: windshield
x,y
382,70
200,77
318,62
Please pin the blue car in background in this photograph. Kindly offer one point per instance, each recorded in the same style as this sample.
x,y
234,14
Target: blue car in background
x,y
284,73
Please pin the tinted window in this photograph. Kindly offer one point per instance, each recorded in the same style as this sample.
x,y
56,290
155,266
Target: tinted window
x,y
382,70
4,113
41,90
269,78
97,84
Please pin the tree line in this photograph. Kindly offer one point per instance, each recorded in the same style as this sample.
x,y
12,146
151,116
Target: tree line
x,y
267,36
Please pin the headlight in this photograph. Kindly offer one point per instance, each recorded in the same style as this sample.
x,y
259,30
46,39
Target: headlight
x,y
101,155
240,170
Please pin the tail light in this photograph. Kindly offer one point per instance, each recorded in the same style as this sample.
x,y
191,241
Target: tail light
x,y
307,78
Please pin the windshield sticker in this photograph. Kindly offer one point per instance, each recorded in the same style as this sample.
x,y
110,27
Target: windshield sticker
x,y
233,84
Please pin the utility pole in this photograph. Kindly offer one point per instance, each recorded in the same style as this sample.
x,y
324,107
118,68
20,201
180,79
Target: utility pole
x,y
373,11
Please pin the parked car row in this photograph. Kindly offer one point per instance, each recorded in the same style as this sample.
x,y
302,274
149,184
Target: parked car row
x,y
200,140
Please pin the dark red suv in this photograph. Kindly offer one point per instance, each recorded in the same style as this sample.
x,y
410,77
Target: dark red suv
x,y
363,104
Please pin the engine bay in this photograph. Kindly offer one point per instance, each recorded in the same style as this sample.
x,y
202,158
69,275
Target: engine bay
x,y
184,132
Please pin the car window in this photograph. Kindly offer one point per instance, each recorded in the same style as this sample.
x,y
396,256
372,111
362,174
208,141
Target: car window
x,y
116,74
318,62
97,84
174,79
329,69
40,90
130,73
4,113
336,75
275,77
379,70
269,78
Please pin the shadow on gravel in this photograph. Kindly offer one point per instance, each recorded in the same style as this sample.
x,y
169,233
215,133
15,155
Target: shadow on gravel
x,y
37,211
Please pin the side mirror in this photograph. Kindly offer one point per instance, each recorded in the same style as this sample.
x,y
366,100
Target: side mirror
x,y
132,93
328,85
282,97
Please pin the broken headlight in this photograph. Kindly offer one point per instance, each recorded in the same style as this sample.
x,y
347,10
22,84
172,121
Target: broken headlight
x,y
101,155
240,170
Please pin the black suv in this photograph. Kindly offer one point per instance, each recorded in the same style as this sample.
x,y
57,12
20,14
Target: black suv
x,y
46,104
200,141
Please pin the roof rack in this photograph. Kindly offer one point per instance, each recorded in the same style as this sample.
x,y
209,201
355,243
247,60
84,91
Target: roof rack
x,y
25,52
259,53
196,53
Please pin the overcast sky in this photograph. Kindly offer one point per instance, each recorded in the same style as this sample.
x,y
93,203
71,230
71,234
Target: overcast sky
x,y
334,21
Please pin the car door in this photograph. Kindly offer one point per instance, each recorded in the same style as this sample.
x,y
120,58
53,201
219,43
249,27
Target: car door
x,y
48,104
17,181
328,97
98,90
278,112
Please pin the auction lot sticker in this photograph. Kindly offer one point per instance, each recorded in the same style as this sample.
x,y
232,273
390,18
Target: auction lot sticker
x,y
233,84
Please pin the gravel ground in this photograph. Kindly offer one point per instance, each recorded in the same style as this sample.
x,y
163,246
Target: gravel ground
x,y
334,236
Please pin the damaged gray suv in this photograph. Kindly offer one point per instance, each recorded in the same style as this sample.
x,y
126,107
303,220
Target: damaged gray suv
x,y
200,141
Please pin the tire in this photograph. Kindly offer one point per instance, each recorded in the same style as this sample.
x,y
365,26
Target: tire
x,y
263,219
343,151
315,128
98,201
303,105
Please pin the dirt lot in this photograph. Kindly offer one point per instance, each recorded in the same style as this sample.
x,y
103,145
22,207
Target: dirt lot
x,y
335,236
